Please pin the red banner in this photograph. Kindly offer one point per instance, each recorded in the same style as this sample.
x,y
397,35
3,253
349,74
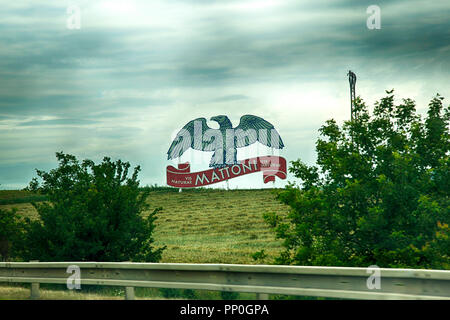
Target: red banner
x,y
271,166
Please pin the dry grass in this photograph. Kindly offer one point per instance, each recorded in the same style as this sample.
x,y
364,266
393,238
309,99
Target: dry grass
x,y
215,226
208,226
22,292
23,209
8,292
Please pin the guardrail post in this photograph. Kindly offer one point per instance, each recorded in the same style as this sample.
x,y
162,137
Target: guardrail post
x,y
129,293
34,294
34,291
262,296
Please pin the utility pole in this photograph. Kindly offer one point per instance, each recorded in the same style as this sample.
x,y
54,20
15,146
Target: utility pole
x,y
352,80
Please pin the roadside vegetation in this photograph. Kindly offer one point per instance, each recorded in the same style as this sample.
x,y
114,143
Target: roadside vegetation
x,y
377,195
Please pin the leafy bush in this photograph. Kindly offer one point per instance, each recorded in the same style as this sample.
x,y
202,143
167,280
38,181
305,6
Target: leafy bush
x,y
93,213
259,255
379,193
229,295
177,293
11,232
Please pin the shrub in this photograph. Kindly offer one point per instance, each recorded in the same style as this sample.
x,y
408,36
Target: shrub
x,y
229,295
178,293
11,232
93,213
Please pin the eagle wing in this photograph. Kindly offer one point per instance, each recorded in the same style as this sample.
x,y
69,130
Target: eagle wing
x,y
185,139
246,136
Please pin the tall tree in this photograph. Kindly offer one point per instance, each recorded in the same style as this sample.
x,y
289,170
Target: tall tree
x,y
379,193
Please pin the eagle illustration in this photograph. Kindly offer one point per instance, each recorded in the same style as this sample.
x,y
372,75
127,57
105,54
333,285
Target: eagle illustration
x,y
223,141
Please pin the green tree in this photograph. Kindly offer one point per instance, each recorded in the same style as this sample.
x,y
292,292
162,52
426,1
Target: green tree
x,y
94,213
11,232
378,194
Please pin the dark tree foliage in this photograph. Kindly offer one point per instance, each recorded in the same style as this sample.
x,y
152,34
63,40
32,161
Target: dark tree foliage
x,y
94,213
11,232
379,193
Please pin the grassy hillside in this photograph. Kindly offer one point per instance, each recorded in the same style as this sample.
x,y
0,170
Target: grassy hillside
x,y
202,226
18,196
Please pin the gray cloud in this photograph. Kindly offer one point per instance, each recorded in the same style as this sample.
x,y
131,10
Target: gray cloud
x,y
233,97
57,122
132,75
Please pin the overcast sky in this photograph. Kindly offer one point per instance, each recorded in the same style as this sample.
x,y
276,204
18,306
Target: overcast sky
x,y
137,71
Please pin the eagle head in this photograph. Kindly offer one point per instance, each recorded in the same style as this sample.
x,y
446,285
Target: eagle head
x,y
219,119
223,122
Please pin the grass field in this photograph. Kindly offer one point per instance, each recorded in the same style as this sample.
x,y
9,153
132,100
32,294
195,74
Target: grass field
x,y
17,196
197,226
60,292
215,226
206,226
22,292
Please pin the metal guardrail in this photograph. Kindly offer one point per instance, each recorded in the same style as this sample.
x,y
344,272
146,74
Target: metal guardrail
x,y
336,282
